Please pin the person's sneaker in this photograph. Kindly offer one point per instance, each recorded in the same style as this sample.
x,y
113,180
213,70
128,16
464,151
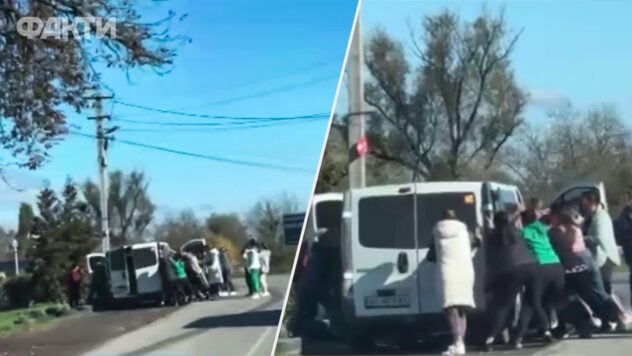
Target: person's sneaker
x,y
517,344
232,294
256,296
223,294
454,350
265,294
548,337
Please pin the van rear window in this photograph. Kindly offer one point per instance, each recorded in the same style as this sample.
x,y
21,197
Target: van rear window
x,y
144,257
117,259
387,222
329,214
430,209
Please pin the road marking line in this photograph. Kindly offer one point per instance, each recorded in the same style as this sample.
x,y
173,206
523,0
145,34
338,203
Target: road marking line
x,y
261,339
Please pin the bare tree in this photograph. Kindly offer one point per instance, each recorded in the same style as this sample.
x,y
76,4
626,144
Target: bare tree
x,y
578,145
458,104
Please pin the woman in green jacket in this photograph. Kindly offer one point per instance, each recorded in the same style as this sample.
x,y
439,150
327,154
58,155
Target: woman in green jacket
x,y
547,288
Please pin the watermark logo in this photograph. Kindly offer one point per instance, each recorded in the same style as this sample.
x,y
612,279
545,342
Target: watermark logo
x,y
62,28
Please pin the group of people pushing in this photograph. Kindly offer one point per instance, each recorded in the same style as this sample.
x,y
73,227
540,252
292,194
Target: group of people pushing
x,y
551,258
208,275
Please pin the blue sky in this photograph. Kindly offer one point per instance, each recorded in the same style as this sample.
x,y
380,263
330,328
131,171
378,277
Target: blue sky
x,y
569,50
239,49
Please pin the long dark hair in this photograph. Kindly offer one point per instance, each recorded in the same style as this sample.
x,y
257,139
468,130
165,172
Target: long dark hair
x,y
503,233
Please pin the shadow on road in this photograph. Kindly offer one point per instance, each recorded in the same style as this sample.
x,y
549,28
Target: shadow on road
x,y
254,318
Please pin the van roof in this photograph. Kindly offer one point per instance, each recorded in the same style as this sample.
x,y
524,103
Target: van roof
x,y
326,197
433,186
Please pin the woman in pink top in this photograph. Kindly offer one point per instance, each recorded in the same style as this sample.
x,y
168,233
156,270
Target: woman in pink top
x,y
568,241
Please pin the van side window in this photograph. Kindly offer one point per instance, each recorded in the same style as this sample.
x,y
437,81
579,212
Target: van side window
x,y
387,222
507,197
329,214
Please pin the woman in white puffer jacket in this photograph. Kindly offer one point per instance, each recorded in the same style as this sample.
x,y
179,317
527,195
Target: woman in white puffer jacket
x,y
453,251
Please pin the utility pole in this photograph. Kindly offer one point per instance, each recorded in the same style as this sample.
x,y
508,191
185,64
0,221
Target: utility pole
x,y
102,144
356,132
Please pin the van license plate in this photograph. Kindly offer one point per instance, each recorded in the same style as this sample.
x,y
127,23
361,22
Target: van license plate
x,y
387,302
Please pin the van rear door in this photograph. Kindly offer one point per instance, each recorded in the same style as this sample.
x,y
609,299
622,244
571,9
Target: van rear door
x,y
119,276
384,251
430,209
147,266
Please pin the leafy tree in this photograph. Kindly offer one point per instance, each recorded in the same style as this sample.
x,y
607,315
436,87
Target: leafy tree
x,y
64,232
25,223
180,229
219,241
39,76
229,226
457,105
130,208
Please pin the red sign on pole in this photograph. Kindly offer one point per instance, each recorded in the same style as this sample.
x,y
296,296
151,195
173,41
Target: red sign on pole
x,y
362,147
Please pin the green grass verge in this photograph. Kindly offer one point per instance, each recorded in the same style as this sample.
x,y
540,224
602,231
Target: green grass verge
x,y
17,320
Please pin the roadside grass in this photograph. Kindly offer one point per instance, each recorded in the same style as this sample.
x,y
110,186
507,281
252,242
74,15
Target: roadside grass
x,y
18,320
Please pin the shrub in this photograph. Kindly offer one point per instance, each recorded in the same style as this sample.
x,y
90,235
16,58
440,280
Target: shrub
x,y
19,291
58,310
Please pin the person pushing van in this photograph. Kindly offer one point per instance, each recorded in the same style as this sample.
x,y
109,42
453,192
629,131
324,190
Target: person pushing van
x,y
453,254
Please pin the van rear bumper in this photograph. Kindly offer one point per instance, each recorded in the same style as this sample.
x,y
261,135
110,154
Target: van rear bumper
x,y
422,324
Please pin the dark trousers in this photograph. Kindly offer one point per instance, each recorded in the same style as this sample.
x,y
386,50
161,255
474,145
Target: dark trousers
x,y
606,275
505,290
228,282
544,292
74,294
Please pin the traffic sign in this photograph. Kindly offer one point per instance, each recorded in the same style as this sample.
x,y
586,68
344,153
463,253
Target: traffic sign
x,y
362,146
292,227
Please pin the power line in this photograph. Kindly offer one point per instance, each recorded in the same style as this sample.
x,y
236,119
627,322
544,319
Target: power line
x,y
220,127
231,100
223,125
222,117
207,157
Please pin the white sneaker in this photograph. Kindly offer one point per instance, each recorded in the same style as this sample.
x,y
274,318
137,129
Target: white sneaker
x,y
256,296
223,294
232,294
454,350
265,294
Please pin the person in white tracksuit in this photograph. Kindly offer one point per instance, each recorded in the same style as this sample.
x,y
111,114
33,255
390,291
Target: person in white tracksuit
x,y
264,256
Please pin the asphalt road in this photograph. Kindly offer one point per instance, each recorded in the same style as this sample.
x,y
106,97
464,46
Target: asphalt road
x,y
616,344
229,327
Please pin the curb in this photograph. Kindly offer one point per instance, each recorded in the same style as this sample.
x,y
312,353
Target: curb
x,y
288,346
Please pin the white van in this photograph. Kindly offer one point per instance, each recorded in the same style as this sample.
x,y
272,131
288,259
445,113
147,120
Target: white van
x,y
134,272
388,284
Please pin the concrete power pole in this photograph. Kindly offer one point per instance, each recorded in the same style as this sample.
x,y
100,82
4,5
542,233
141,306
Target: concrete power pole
x,y
357,167
104,188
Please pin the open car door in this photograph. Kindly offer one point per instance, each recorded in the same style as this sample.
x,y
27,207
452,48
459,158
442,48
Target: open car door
x,y
573,194
93,259
195,246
